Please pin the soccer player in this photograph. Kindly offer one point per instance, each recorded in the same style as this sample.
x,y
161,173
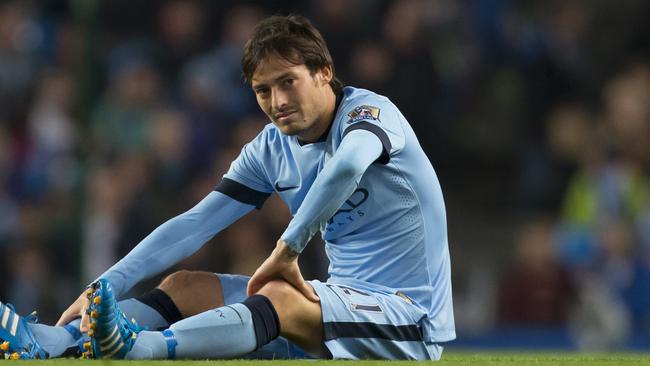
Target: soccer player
x,y
347,163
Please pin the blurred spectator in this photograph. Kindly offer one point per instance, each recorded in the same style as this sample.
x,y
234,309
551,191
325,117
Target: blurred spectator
x,y
545,169
627,112
611,182
101,225
181,34
413,83
372,66
217,74
339,24
213,95
600,320
9,214
8,208
19,40
50,122
626,274
49,164
121,123
536,290
170,151
600,193
29,273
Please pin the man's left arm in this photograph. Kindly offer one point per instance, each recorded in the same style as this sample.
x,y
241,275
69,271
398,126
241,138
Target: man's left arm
x,y
335,183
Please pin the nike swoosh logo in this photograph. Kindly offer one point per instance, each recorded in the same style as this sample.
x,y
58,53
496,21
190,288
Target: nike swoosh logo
x,y
282,189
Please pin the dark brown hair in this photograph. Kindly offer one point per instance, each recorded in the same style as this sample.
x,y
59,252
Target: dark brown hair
x,y
293,38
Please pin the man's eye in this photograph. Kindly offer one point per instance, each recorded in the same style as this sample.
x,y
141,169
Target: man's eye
x,y
288,81
261,91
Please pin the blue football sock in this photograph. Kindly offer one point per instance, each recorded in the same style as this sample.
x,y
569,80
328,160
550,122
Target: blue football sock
x,y
225,332
56,340
149,346
146,316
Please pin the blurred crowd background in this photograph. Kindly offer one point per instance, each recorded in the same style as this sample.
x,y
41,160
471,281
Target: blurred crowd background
x,y
117,115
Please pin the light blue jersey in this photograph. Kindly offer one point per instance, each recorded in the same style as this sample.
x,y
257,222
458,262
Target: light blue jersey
x,y
390,235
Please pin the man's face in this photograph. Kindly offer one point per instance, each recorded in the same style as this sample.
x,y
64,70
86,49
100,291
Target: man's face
x,y
292,97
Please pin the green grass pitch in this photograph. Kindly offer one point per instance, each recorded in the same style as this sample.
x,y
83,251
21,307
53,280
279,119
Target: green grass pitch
x,y
449,358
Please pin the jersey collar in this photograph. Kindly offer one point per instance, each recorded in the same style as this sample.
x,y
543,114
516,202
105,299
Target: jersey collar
x,y
323,137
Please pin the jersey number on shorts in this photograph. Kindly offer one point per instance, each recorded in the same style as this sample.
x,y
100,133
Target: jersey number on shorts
x,y
360,301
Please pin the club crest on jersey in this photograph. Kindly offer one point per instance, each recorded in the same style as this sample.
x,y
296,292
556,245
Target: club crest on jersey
x,y
364,112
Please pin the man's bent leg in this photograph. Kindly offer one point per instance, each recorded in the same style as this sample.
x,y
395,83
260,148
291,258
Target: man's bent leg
x,y
229,331
237,329
225,332
234,291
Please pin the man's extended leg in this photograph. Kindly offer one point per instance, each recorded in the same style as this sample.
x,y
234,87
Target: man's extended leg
x,y
194,292
238,329
228,331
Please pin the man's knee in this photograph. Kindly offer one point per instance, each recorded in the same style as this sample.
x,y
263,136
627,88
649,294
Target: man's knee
x,y
184,280
290,304
193,291
279,292
177,280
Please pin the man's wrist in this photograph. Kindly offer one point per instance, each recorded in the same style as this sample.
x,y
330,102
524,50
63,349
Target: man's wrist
x,y
285,250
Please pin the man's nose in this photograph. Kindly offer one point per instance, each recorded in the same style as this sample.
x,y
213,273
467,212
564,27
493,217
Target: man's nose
x,y
278,99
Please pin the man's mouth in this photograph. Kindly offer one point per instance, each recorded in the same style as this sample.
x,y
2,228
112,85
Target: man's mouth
x,y
283,115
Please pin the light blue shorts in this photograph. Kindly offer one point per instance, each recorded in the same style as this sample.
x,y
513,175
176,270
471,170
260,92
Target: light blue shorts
x,y
357,324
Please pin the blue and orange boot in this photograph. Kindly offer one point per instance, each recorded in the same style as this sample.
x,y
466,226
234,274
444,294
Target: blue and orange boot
x,y
17,341
111,334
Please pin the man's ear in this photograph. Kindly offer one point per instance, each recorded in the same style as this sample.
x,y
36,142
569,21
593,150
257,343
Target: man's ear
x,y
326,74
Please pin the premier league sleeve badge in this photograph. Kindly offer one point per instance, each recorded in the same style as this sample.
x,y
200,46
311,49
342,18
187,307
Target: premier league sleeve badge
x,y
364,113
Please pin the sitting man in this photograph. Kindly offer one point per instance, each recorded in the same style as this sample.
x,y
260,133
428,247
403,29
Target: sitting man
x,y
347,163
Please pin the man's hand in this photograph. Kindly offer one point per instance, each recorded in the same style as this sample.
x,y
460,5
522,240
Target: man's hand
x,y
76,310
281,264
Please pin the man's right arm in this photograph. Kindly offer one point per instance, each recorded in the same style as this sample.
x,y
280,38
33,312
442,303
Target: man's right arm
x,y
176,239
243,188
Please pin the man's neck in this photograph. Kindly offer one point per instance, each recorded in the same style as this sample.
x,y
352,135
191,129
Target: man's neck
x,y
324,122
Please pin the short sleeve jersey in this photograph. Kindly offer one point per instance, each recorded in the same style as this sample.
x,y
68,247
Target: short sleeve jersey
x,y
390,235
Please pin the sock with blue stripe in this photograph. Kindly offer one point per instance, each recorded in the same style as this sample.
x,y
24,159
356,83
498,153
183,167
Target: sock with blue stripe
x,y
154,310
56,340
